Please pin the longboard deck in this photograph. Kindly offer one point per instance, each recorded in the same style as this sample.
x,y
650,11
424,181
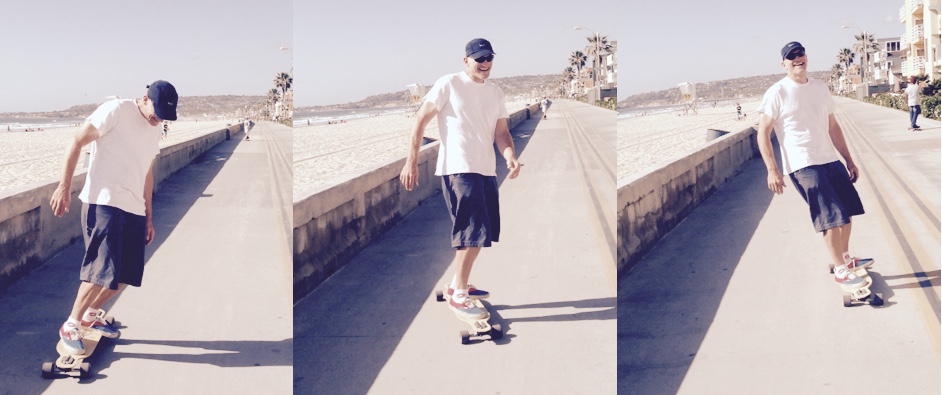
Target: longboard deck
x,y
480,326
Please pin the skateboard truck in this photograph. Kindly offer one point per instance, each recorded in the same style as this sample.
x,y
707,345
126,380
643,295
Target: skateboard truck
x,y
862,294
479,326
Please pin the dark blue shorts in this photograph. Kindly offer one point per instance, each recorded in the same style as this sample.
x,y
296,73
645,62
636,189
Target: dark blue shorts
x,y
475,215
831,196
114,246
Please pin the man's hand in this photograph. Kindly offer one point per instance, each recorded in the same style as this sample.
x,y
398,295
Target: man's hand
x,y
853,172
514,168
60,201
409,176
776,183
150,233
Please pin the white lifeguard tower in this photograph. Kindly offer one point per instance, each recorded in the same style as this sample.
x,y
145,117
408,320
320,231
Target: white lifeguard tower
x,y
688,95
418,92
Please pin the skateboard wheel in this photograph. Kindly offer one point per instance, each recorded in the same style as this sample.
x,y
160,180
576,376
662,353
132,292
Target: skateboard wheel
x,y
877,300
847,301
48,369
465,337
440,296
84,370
497,332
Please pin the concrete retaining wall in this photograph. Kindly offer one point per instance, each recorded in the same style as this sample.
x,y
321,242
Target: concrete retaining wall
x,y
30,234
651,204
334,223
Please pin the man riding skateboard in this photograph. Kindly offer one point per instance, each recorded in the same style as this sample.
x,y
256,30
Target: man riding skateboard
x,y
471,118
116,210
802,112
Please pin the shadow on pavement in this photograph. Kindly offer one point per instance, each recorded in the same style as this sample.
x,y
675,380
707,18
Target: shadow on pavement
x,y
356,318
668,301
39,302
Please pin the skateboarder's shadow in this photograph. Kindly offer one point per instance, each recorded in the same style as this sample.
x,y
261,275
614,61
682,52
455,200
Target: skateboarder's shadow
x,y
903,281
248,353
596,309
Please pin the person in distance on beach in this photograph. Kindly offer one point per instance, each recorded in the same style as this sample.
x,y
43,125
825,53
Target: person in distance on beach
x,y
471,118
117,218
801,111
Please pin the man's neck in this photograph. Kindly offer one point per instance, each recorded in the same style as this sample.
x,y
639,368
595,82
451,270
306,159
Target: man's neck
x,y
799,78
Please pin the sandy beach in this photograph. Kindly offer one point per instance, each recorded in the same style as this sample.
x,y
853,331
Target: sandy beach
x,y
30,157
648,140
323,153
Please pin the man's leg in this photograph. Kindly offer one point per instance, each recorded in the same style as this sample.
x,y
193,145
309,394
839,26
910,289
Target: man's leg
x,y
836,239
464,260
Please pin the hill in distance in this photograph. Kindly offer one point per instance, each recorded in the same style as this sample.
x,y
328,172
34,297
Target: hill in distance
x,y
188,107
520,87
736,88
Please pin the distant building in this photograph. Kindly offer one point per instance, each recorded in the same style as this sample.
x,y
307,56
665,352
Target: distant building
x,y
920,41
887,62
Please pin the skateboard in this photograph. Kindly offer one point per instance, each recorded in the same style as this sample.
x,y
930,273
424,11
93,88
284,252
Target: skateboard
x,y
862,294
479,326
914,129
74,364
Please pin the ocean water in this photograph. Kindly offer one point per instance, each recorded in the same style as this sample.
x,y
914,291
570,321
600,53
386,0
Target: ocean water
x,y
20,124
305,118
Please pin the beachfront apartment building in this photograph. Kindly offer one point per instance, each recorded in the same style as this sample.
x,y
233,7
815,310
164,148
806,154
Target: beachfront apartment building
x,y
886,68
920,42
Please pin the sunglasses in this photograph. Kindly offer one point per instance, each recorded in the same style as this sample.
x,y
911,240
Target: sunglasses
x,y
483,59
795,54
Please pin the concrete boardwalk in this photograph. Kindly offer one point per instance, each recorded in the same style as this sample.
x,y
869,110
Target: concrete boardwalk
x,y
214,312
374,327
738,299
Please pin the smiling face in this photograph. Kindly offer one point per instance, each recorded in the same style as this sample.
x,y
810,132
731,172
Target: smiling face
x,y
478,71
797,68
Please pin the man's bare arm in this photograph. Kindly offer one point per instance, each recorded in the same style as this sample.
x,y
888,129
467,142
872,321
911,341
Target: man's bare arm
x,y
764,135
409,176
61,197
837,138
505,144
148,207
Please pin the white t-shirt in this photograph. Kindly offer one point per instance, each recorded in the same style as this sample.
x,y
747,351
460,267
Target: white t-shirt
x,y
912,95
801,113
120,158
467,120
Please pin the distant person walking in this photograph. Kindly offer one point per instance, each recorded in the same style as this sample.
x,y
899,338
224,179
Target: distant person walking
x,y
544,105
471,118
117,218
246,125
912,98
738,112
801,111
166,128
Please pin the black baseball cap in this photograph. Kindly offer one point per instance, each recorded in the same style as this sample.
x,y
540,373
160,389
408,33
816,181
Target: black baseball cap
x,y
477,48
164,96
792,46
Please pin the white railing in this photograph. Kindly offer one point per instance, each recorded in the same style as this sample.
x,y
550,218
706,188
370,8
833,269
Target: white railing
x,y
904,41
902,13
915,5
919,33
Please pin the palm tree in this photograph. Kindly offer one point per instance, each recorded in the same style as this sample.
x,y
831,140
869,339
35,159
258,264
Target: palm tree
x,y
272,99
864,45
283,81
846,57
603,48
577,60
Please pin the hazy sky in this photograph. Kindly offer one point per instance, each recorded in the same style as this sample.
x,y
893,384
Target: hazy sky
x,y
346,51
58,53
666,43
